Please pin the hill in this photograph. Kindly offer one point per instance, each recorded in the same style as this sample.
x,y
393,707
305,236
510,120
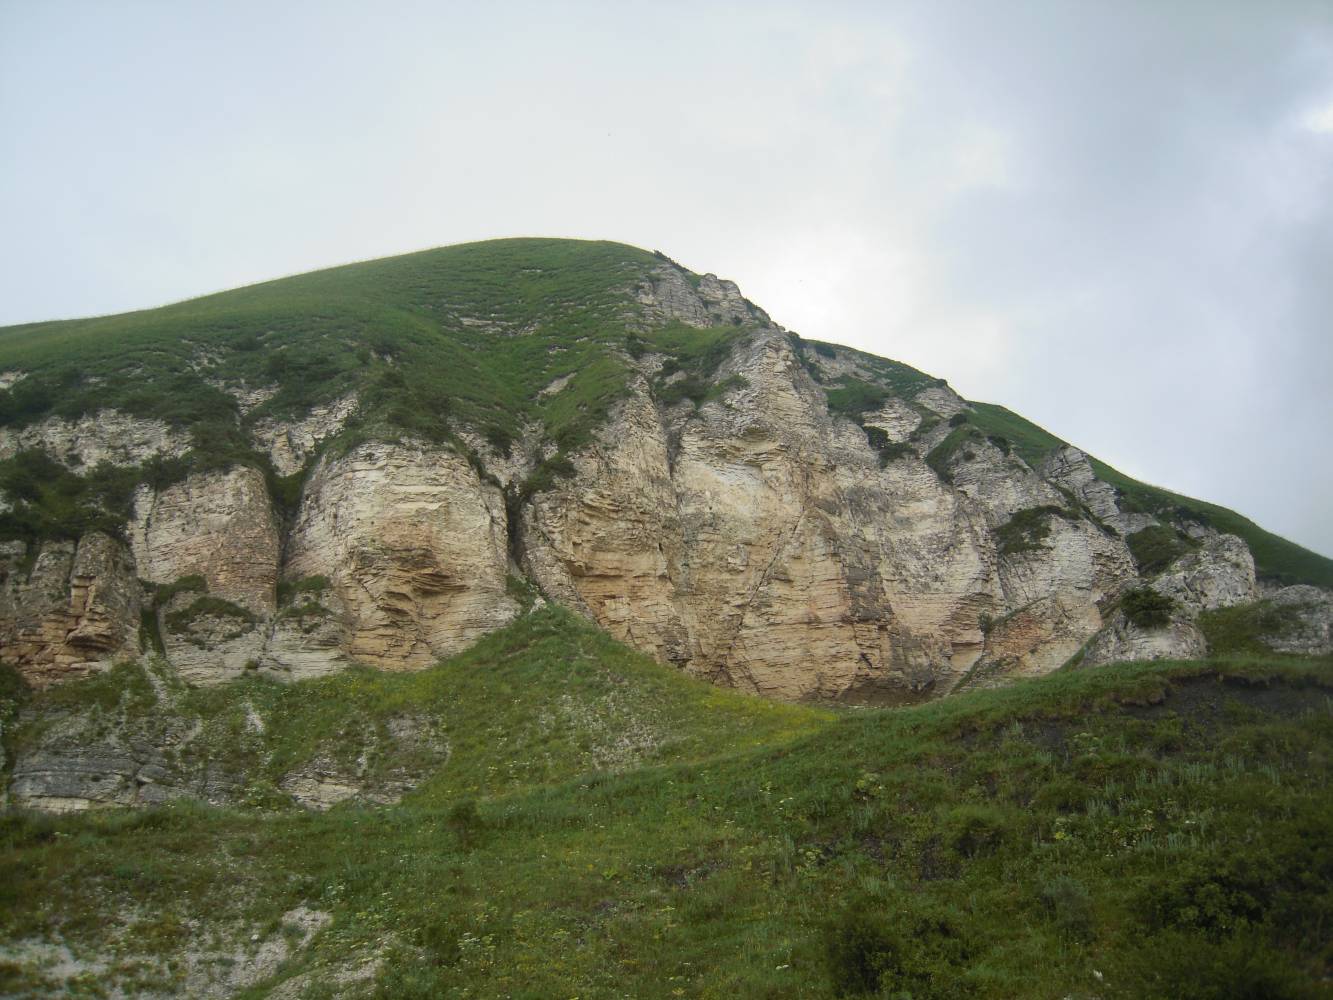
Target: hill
x,y
373,463
432,343
393,630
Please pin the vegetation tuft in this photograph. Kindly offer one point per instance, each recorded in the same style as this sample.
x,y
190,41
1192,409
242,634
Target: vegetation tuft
x,y
1156,547
1146,608
1026,530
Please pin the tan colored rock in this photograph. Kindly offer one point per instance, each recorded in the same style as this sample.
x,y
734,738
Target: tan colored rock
x,y
1123,641
306,638
758,542
668,294
75,612
1058,592
208,644
106,436
1068,467
415,545
290,444
1000,484
218,525
767,549
1219,574
896,419
942,400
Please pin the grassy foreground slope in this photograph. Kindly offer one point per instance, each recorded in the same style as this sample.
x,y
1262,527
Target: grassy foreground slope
x,y
1146,830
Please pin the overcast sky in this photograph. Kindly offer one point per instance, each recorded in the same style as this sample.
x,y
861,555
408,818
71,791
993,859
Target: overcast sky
x,y
1114,218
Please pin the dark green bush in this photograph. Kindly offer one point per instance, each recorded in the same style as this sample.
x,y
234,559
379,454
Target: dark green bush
x,y
499,439
1027,529
1185,966
854,397
289,590
888,450
862,950
1156,547
464,819
1146,608
972,829
180,621
1069,906
49,501
894,947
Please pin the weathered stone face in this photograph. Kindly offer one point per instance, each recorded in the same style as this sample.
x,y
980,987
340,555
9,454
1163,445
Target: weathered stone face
x,y
1219,574
1122,640
291,444
415,545
1310,633
107,436
75,611
218,525
759,542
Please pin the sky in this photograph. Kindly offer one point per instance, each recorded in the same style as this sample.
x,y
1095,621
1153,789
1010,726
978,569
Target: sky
x,y
1114,218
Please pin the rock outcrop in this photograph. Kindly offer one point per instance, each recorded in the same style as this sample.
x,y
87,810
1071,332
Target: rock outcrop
x,y
415,545
218,528
153,747
291,444
761,542
1219,574
106,436
670,294
69,610
1308,621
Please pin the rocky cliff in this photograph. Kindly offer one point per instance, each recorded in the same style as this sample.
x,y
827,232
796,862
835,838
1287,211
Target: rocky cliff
x,y
793,519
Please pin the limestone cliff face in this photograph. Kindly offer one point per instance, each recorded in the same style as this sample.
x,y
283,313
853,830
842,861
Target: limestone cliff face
x,y
218,526
756,538
106,436
74,610
416,548
761,542
291,444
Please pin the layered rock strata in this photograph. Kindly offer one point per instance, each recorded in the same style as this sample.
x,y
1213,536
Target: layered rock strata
x,y
415,545
761,542
69,608
754,538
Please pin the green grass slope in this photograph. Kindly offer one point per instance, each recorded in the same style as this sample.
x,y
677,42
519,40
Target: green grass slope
x,y
1144,830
